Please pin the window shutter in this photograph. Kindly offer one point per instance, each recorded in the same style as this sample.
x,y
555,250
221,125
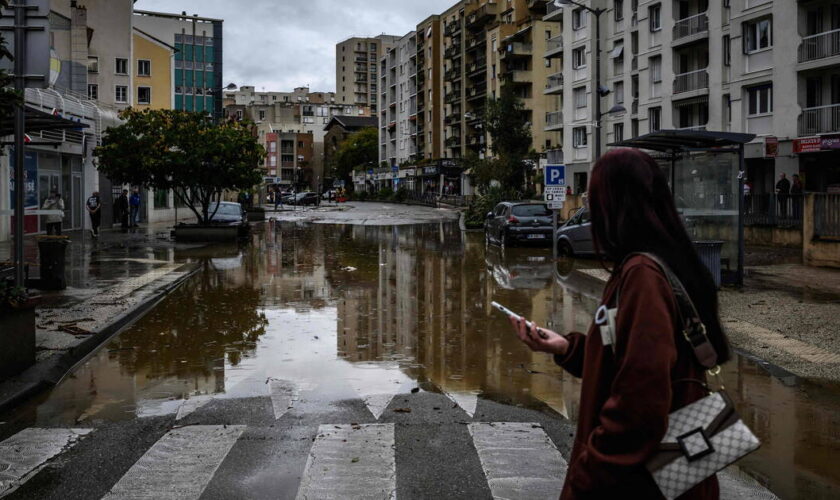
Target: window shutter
x,y
745,38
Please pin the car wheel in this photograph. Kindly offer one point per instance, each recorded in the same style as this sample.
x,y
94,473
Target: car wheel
x,y
564,249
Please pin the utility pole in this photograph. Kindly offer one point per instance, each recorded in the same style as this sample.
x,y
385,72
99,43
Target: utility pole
x,y
20,130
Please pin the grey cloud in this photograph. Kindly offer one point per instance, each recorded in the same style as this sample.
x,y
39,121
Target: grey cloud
x,y
284,44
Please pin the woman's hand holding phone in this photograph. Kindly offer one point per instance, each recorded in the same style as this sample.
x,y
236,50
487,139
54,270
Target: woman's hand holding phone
x,y
539,339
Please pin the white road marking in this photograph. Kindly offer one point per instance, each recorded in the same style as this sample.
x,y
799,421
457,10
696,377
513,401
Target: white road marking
x,y
351,461
466,400
377,388
180,465
192,404
27,452
284,394
519,460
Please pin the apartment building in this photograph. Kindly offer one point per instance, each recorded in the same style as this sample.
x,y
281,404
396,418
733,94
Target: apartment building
x,y
154,66
429,82
300,113
198,41
398,95
356,63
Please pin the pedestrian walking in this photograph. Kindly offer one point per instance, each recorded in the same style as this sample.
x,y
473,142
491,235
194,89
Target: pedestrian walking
x,y
747,196
134,206
278,198
94,208
783,193
122,209
53,222
637,367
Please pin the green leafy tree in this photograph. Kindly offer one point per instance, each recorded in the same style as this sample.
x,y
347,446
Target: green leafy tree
x,y
8,97
357,151
507,123
184,152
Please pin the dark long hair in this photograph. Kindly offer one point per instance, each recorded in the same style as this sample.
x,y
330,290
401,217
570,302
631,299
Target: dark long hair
x,y
632,210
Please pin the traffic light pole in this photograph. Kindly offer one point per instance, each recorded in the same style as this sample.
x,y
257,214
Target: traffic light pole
x,y
20,130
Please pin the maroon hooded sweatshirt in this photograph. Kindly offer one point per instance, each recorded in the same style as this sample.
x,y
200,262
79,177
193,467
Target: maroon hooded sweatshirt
x,y
626,395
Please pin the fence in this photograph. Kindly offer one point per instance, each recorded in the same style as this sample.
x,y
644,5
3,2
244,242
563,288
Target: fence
x,y
820,46
773,210
827,216
691,26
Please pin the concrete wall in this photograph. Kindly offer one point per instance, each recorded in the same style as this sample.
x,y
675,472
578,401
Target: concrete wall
x,y
816,252
773,236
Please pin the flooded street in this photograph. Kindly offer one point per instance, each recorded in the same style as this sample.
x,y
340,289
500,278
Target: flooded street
x,y
370,313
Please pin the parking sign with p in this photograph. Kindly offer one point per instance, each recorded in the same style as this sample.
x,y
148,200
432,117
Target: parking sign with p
x,y
555,175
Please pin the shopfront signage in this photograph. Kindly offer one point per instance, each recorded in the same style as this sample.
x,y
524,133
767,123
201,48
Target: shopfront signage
x,y
832,142
816,144
430,170
771,146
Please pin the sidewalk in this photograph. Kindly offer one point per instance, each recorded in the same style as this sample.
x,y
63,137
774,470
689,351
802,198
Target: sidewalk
x,y
111,282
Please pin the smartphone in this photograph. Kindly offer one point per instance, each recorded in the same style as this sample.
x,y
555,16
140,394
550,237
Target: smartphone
x,y
517,317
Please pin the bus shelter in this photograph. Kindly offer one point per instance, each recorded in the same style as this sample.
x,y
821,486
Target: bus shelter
x,y
705,170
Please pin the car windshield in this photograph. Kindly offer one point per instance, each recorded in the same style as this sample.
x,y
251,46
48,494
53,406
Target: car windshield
x,y
227,210
531,211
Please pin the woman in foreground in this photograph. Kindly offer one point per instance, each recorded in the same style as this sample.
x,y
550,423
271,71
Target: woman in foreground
x,y
631,386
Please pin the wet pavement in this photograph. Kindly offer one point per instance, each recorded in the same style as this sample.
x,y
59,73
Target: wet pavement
x,y
371,352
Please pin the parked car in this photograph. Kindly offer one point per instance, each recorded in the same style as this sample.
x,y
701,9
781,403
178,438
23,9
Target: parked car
x,y
305,199
575,236
518,222
227,213
329,194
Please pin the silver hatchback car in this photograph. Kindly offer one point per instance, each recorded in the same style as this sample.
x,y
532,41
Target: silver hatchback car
x,y
575,236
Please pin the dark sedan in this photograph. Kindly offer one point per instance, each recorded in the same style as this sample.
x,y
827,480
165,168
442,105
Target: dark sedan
x,y
518,222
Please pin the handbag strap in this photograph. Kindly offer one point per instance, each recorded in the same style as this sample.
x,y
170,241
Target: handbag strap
x,y
693,328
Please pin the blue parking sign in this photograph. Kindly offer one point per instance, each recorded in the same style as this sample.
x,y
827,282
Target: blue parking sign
x,y
555,175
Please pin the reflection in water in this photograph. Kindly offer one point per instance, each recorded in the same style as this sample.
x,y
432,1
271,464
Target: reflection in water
x,y
354,311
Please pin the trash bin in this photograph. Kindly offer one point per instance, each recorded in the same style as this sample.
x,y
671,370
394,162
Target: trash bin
x,y
709,252
52,257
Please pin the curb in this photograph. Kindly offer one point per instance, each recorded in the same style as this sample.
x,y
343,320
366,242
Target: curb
x,y
52,371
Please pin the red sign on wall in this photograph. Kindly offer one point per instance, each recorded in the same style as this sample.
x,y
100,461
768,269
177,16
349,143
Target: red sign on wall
x,y
807,145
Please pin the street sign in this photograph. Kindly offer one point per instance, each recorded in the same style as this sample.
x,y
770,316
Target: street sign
x,y
555,175
37,58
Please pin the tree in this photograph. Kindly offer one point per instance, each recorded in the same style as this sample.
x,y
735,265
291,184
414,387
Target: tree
x,y
8,97
510,133
184,152
359,150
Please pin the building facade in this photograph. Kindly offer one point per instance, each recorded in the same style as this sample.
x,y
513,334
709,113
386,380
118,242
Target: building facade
x,y
356,63
398,95
154,83
198,73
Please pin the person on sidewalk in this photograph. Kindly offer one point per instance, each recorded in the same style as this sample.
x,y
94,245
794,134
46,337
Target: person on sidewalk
x,y
634,376
134,204
122,209
94,208
53,222
783,193
796,192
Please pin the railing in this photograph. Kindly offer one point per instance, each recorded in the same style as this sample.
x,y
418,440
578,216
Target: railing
x,y
820,46
553,9
820,120
554,119
554,43
826,215
693,80
519,48
691,26
554,81
773,210
554,156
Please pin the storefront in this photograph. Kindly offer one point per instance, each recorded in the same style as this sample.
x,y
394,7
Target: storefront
x,y
819,162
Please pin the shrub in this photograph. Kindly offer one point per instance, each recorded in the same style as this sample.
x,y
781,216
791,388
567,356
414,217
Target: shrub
x,y
484,203
385,194
401,195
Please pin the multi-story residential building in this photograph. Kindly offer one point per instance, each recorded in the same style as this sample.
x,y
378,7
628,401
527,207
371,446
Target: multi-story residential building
x,y
301,113
198,75
356,63
429,84
398,95
153,63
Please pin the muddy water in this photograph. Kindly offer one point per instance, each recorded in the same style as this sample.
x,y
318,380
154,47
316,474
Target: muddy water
x,y
390,308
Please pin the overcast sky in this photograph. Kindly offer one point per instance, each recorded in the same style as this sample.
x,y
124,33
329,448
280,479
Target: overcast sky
x,y
282,44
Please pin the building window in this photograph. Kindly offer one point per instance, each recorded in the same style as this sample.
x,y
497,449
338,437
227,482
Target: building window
x,y
144,67
655,119
618,10
579,137
121,66
578,19
656,69
239,115
727,47
93,91
121,94
760,100
93,64
161,198
655,17
618,132
618,89
758,35
579,97
579,58
262,115
144,95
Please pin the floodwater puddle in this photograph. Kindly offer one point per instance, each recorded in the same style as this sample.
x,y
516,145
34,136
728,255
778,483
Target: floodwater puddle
x,y
370,312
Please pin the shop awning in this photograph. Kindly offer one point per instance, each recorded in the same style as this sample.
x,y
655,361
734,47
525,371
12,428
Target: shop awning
x,y
36,121
685,140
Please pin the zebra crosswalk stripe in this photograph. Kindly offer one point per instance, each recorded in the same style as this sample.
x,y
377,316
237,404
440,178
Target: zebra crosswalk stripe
x,y
519,460
25,453
179,465
351,461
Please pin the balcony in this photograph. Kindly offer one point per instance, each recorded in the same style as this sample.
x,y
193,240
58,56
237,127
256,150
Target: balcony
x,y
819,120
553,12
517,49
691,29
554,156
477,42
452,74
454,141
554,85
553,121
452,28
477,67
452,97
476,140
820,46
483,14
554,47
452,51
522,76
361,58
453,118
476,92
691,81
